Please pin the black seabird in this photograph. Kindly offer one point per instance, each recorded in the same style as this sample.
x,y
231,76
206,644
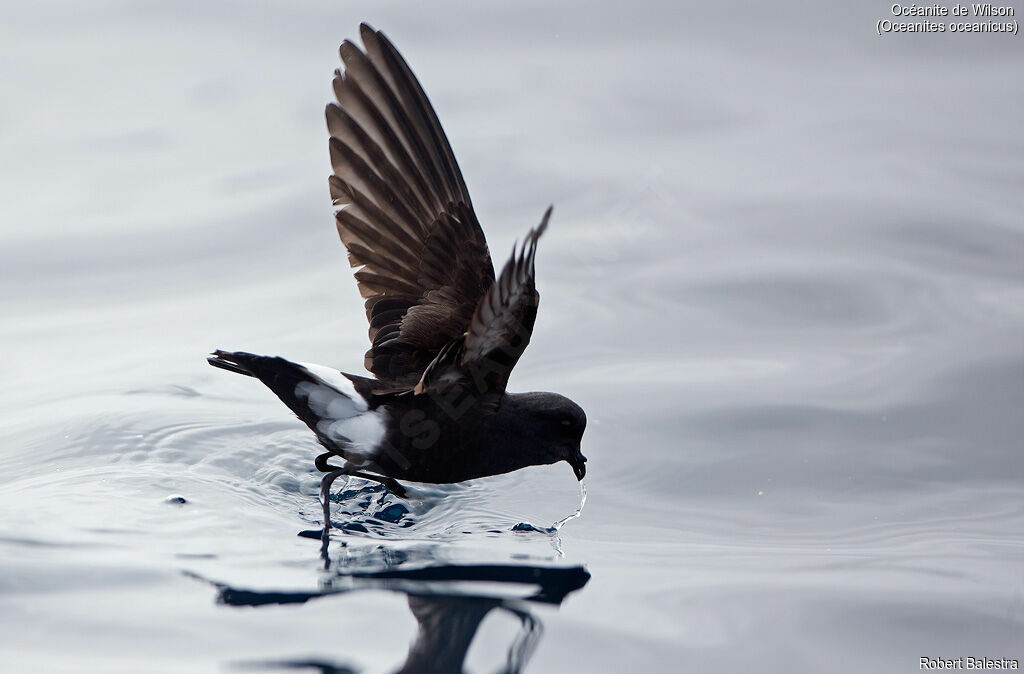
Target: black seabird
x,y
444,332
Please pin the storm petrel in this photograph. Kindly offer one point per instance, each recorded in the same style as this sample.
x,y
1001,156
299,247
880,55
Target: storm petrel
x,y
445,332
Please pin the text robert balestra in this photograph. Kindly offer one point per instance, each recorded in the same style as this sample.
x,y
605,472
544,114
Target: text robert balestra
x,y
976,664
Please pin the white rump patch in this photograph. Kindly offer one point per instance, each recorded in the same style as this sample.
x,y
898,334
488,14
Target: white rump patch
x,y
360,435
342,412
336,381
327,395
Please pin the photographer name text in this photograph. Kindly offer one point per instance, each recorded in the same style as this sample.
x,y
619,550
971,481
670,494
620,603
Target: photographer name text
x,y
976,664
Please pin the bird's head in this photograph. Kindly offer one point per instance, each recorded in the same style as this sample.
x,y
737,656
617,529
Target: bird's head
x,y
555,426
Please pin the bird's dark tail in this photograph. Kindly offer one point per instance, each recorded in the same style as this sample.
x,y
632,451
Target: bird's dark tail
x,y
232,362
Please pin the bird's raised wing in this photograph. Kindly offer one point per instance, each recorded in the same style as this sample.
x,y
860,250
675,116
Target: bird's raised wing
x,y
499,330
404,215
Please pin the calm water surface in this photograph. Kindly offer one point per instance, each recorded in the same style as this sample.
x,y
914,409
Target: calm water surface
x,y
785,278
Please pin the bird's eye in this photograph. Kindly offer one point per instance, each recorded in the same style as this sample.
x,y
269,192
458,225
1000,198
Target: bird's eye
x,y
566,422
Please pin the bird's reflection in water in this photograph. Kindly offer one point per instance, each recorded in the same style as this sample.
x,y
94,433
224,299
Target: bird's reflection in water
x,y
448,601
447,626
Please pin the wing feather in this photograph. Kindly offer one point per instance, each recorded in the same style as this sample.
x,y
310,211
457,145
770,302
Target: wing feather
x,y
404,212
499,330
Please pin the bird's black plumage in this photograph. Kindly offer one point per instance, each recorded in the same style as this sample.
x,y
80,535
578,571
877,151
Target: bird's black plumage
x,y
445,332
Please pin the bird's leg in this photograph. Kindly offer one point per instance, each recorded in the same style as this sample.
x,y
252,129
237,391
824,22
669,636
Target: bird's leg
x,y
321,464
325,494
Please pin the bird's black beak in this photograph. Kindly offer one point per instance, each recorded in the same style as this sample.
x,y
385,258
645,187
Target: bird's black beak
x,y
579,464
